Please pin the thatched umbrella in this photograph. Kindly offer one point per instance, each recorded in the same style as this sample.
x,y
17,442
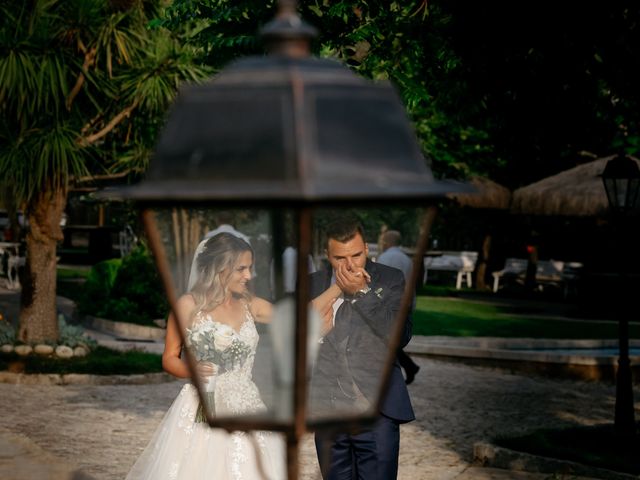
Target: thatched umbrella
x,y
575,192
489,195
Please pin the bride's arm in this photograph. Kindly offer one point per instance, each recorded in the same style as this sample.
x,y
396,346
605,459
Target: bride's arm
x,y
323,305
171,361
261,310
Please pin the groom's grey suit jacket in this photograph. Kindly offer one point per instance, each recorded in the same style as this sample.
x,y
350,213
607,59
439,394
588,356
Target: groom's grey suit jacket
x,y
354,351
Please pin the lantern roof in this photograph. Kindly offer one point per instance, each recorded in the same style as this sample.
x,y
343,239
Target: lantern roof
x,y
287,127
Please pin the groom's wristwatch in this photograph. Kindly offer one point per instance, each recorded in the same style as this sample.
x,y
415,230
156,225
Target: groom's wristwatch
x,y
362,292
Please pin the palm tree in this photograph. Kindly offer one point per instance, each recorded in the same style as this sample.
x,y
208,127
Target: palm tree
x,y
83,87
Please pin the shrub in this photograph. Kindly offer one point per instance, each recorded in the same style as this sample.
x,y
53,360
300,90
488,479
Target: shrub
x,y
97,288
126,291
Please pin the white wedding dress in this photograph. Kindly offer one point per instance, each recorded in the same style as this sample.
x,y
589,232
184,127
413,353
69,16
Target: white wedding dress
x,y
183,449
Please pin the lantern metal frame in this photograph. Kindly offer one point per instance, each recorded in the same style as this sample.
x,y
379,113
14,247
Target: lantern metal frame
x,y
185,172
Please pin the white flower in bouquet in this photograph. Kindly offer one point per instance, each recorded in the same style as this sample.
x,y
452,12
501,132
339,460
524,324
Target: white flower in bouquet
x,y
223,337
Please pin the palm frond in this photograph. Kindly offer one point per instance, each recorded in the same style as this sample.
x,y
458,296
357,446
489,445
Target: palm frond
x,y
117,41
51,81
17,79
154,83
41,158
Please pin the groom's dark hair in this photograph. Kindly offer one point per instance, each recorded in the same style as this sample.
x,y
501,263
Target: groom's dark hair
x,y
343,229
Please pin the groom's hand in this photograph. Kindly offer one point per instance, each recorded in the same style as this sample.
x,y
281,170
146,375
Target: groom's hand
x,y
350,281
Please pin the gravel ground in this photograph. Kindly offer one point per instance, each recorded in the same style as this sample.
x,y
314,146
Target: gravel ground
x,y
102,429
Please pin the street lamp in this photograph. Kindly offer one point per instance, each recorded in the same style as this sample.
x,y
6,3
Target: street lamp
x,y
282,141
621,178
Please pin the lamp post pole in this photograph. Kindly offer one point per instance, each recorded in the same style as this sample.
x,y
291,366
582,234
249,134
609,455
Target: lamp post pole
x,y
624,423
621,178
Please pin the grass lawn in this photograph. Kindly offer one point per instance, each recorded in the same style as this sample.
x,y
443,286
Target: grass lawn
x,y
456,317
597,446
439,312
70,281
70,273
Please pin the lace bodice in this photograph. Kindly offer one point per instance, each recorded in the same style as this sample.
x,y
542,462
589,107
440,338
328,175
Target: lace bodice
x,y
234,353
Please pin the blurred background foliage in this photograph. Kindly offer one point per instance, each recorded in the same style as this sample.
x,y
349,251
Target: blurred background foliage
x,y
512,90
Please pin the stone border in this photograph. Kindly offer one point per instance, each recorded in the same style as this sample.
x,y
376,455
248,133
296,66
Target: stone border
x,y
519,354
521,343
489,455
83,378
129,331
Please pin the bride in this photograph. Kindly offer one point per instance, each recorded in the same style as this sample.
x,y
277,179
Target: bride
x,y
223,337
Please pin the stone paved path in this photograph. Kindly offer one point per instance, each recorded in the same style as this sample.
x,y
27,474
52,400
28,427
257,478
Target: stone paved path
x,y
102,429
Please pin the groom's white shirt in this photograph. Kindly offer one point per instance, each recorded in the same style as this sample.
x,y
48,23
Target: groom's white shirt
x,y
339,301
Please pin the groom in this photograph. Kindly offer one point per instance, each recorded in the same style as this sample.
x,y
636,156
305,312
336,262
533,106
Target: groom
x,y
358,301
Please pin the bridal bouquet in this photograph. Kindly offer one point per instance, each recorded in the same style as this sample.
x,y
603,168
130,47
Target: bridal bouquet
x,y
216,343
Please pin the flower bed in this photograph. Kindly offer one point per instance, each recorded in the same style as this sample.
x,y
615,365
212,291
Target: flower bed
x,y
72,342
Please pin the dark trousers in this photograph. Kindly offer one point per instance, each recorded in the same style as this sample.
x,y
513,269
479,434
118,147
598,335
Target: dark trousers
x,y
405,360
369,455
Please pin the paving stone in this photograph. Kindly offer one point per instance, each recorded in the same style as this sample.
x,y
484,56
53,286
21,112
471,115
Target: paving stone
x,y
101,429
97,431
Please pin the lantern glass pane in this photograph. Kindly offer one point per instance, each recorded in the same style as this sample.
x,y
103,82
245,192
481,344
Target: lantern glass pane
x,y
233,306
633,196
355,320
622,191
610,187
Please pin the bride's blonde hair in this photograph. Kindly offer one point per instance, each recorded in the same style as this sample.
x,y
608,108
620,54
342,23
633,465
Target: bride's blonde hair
x,y
215,264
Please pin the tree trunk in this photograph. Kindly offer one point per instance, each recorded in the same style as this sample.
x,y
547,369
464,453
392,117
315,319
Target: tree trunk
x,y
38,316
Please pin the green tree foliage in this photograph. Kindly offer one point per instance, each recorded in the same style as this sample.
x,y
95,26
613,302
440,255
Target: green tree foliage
x,y
559,82
83,88
513,90
403,42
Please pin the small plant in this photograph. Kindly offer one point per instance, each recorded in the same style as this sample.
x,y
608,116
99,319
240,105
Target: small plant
x,y
7,333
73,336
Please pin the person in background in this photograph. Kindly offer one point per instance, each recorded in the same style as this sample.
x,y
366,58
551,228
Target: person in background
x,y
290,270
289,266
393,256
